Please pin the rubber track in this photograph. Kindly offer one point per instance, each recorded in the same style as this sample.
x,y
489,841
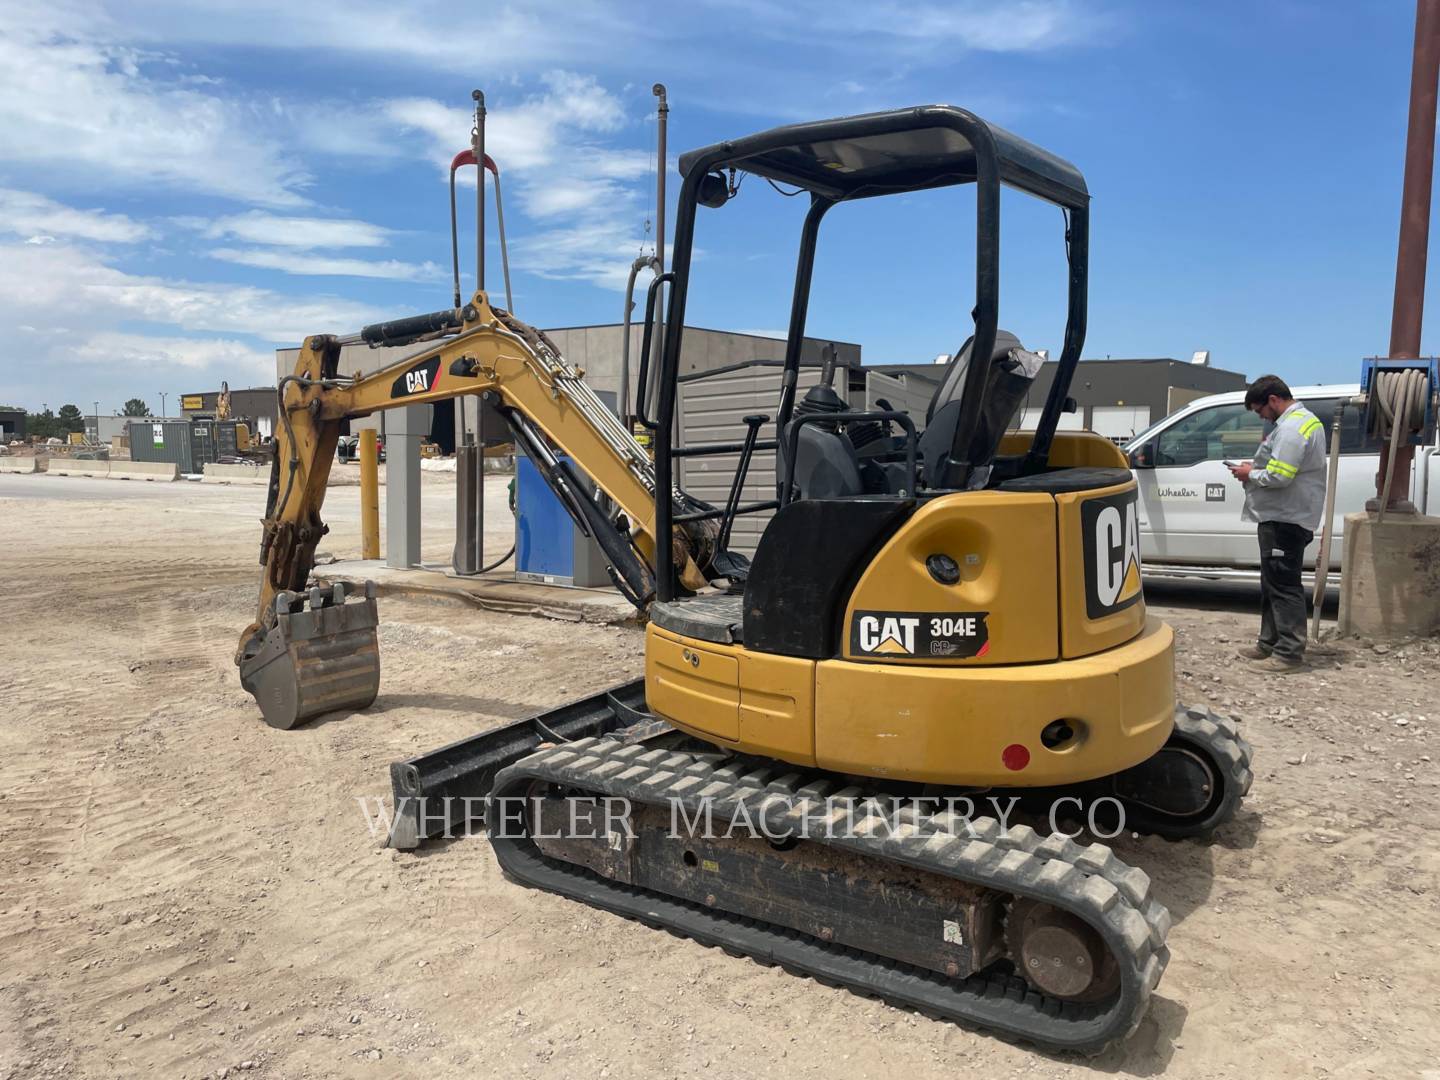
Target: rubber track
x,y
1089,881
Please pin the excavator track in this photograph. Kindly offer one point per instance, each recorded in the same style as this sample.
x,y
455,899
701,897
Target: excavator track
x,y
1083,887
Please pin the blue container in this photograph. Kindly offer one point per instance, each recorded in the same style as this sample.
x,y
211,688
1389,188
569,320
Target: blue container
x,y
544,531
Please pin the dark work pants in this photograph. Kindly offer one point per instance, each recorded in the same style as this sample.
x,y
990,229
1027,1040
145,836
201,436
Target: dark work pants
x,y
1282,596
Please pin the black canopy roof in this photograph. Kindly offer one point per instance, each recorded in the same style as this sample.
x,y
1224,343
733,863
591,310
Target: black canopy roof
x,y
901,150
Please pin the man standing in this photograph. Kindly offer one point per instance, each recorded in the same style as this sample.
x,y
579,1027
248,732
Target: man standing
x,y
1285,493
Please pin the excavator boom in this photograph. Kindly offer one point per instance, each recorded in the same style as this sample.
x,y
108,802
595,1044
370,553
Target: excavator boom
x,y
310,652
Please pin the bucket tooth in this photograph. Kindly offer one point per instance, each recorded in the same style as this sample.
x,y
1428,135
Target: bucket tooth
x,y
320,656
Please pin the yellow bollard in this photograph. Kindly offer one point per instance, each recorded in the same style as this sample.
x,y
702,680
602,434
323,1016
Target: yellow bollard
x,y
369,496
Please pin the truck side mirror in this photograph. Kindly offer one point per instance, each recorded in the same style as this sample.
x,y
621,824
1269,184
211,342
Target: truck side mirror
x,y
1143,456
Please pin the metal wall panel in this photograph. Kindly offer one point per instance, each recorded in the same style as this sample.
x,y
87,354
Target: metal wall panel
x,y
162,440
1119,422
908,394
712,409
226,443
191,444
1072,421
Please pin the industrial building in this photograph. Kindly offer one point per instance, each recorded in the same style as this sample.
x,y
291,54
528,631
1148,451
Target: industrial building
x,y
103,428
255,406
727,376
1117,398
598,350
12,424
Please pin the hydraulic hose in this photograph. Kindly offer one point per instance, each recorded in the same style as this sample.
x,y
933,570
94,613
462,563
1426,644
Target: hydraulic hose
x,y
1398,400
498,562
501,560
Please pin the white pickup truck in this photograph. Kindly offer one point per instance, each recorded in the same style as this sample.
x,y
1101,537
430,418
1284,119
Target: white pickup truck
x,y
1190,504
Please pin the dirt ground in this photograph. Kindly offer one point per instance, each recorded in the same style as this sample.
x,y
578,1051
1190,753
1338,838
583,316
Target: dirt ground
x,y
185,892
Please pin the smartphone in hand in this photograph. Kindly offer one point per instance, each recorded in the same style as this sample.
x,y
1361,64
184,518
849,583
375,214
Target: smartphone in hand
x,y
1230,464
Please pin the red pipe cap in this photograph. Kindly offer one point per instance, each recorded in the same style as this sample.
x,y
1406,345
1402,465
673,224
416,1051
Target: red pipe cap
x,y
1015,757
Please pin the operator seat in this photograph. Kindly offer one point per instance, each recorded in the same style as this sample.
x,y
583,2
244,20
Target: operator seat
x,y
827,466
944,410
953,381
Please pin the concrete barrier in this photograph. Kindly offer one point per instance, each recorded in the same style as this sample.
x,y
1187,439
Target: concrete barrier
x,y
1390,576
11,463
62,466
216,473
144,470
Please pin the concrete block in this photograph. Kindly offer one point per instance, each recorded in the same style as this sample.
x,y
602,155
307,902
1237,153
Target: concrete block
x,y
62,466
11,463
1390,576
215,473
144,470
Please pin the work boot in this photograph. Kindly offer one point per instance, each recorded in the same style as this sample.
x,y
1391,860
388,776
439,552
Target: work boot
x,y
1279,665
1253,652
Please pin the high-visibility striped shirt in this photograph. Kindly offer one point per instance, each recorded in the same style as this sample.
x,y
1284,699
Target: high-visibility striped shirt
x,y
1287,481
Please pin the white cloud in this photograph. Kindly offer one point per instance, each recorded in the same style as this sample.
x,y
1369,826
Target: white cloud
x,y
991,26
569,196
67,302
47,286
81,106
505,39
257,227
598,249
910,30
42,220
141,353
521,135
587,194
293,262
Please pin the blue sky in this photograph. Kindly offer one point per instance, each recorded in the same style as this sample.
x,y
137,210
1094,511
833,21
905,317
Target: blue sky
x,y
186,186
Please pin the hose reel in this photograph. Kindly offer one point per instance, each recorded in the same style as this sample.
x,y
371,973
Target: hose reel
x,y
1400,406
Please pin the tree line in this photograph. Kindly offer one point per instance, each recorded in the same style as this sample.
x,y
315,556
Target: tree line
x,y
58,425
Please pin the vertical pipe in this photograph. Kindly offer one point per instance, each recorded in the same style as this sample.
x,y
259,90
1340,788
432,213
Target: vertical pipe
x,y
454,241
625,343
504,251
477,520
478,145
1327,521
369,496
626,414
1407,315
1409,306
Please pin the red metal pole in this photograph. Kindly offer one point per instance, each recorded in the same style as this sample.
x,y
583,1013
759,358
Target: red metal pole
x,y
1407,315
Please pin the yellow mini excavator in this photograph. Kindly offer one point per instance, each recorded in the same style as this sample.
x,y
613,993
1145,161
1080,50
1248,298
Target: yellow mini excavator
x,y
933,621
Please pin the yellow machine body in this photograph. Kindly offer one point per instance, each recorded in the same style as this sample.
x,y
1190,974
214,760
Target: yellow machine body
x,y
1049,597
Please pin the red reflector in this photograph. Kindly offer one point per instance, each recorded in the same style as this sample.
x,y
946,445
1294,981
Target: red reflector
x,y
1015,757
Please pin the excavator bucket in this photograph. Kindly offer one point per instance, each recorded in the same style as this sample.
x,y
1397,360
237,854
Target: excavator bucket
x,y
320,656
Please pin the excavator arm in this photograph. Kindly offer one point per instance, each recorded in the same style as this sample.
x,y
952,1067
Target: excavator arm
x,y
312,652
